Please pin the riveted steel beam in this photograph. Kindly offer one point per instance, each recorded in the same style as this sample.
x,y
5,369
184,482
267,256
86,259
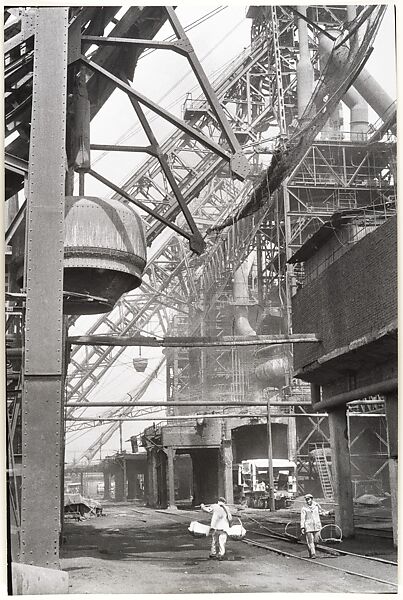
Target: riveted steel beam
x,y
191,342
237,165
189,235
189,417
43,359
177,403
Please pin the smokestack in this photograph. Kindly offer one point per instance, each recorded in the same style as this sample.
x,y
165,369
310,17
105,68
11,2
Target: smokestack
x,y
304,66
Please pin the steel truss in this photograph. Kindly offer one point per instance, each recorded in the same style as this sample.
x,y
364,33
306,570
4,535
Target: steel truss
x,y
250,92
21,59
171,273
255,93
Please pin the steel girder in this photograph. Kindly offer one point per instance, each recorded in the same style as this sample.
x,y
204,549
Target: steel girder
x,y
208,208
42,413
276,235
168,277
254,68
19,55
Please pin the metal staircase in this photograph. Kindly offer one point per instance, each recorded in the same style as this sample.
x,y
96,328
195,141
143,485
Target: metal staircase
x,y
321,457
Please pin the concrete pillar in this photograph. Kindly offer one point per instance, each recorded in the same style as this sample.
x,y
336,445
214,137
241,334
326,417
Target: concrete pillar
x,y
292,439
391,412
152,485
124,468
341,470
226,466
119,483
107,485
170,452
132,483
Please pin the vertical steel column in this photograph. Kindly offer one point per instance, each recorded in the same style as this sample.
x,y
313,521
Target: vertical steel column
x,y
341,471
226,462
272,504
279,74
125,484
170,452
391,411
107,484
152,485
43,365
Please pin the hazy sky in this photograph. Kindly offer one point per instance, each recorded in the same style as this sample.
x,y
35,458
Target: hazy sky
x,y
166,78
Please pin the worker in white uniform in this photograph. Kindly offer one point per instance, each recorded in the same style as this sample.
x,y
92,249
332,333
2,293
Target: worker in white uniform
x,y
310,523
220,523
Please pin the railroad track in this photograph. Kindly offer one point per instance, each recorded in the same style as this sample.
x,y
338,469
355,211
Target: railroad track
x,y
286,538
320,563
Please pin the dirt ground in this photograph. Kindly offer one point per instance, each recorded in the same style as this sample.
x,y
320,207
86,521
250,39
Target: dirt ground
x,y
138,550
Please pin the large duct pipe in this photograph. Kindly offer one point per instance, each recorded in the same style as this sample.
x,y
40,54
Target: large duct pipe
x,y
241,298
332,129
359,122
274,370
304,66
375,95
365,84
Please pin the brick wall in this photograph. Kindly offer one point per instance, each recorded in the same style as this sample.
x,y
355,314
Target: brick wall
x,y
355,296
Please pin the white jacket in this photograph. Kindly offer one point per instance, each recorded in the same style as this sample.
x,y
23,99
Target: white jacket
x,y
310,519
219,518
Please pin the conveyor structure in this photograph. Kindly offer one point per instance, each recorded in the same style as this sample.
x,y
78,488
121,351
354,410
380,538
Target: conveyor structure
x,y
257,164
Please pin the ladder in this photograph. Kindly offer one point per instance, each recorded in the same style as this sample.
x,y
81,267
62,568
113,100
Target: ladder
x,y
325,474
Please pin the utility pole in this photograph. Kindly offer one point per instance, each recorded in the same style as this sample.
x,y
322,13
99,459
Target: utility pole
x,y
270,459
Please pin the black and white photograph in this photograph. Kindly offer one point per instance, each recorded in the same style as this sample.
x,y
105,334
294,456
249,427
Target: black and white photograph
x,y
201,299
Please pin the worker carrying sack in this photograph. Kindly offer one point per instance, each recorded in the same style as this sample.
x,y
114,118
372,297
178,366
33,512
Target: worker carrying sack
x,y
237,532
198,529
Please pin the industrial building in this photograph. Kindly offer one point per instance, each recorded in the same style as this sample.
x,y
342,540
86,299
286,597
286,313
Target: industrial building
x,y
255,247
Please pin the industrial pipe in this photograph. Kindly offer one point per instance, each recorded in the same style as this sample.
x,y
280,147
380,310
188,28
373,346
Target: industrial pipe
x,y
191,342
195,417
241,297
333,126
359,121
215,416
382,387
183,403
304,66
273,371
364,83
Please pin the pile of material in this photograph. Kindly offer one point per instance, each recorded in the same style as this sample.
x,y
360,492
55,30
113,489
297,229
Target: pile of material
x,y
370,500
76,506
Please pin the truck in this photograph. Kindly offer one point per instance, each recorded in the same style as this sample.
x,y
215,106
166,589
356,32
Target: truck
x,y
253,481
